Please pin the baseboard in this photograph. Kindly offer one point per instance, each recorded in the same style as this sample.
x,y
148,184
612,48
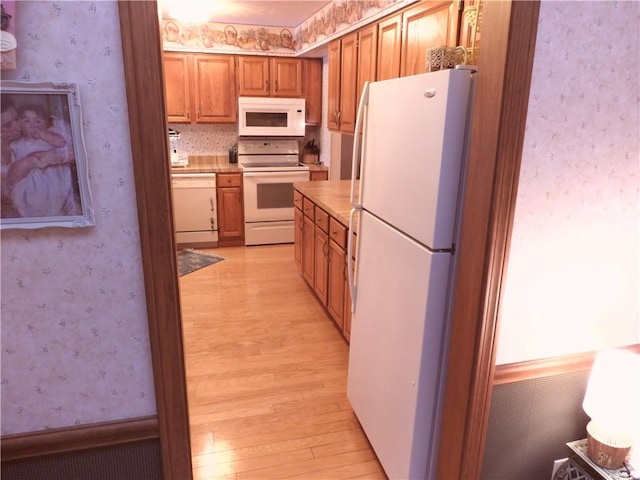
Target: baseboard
x,y
546,367
82,437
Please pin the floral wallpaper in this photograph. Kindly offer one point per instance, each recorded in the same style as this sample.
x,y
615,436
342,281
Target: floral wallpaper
x,y
74,339
335,18
573,276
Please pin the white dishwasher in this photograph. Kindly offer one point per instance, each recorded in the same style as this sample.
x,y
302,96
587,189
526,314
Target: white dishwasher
x,y
194,208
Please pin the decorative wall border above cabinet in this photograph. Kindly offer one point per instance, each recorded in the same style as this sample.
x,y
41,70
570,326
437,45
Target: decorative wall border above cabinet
x,y
335,19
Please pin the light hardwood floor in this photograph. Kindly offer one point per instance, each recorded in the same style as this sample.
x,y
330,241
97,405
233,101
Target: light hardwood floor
x,y
266,374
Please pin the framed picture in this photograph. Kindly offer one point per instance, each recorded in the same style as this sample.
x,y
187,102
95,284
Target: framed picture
x,y
8,42
45,177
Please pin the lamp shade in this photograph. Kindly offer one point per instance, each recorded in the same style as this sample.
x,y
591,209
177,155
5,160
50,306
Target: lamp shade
x,y
612,399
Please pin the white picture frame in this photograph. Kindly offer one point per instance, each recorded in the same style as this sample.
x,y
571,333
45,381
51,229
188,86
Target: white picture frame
x,y
45,176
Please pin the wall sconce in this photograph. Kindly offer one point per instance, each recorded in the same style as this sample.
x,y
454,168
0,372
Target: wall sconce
x,y
612,401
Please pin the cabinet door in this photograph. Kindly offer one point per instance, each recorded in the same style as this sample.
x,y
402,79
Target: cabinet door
x,y
428,24
333,110
298,225
319,175
389,43
308,252
177,85
348,83
312,80
230,209
253,76
215,92
367,58
335,290
321,261
286,77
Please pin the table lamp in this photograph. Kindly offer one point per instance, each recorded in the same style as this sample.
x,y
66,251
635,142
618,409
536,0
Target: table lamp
x,y
612,401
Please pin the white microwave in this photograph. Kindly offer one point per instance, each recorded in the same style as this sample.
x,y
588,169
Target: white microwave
x,y
271,117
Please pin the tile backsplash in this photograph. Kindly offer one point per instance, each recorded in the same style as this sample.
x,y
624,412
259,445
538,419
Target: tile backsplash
x,y
215,139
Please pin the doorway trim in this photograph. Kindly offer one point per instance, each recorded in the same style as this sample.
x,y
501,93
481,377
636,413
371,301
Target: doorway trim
x,y
144,78
509,32
505,64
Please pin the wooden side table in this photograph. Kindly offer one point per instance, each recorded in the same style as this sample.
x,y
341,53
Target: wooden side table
x,y
580,467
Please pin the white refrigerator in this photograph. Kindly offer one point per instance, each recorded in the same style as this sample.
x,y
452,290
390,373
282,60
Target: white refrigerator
x,y
414,132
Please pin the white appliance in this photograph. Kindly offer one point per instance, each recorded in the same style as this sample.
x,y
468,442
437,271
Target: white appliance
x,y
194,208
271,117
270,167
177,158
413,147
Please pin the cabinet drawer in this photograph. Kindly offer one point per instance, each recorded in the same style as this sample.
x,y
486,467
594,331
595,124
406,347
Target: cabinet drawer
x,y
338,232
307,207
297,199
322,219
233,180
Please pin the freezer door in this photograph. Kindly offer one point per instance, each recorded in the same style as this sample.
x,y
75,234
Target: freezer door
x,y
412,153
396,346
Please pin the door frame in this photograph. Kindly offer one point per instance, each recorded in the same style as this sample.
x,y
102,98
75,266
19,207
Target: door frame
x,y
505,64
506,58
144,79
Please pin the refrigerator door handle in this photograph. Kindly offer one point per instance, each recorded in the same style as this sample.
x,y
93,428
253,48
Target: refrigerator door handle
x,y
353,288
357,159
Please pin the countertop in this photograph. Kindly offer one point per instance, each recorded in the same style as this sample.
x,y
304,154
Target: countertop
x,y
333,196
220,164
208,164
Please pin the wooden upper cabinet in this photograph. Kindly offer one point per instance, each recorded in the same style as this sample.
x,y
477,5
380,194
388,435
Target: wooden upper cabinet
x,y
177,87
389,47
286,77
312,87
348,84
333,110
269,76
214,81
367,58
253,76
428,24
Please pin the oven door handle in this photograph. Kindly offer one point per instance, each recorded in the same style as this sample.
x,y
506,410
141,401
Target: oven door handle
x,y
297,173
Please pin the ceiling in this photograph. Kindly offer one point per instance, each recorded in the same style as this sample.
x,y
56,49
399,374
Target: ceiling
x,y
265,13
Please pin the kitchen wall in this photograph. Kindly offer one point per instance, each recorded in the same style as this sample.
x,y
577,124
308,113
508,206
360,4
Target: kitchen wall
x,y
572,283
215,139
75,340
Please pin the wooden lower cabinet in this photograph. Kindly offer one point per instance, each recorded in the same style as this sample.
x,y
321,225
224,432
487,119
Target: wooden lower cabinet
x,y
321,254
298,226
316,175
308,234
337,267
230,209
